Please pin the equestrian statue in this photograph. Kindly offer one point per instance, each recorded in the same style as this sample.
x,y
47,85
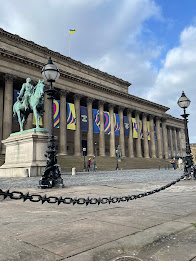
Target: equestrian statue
x,y
30,99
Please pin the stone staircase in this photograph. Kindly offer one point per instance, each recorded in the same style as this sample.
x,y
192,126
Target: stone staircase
x,y
107,163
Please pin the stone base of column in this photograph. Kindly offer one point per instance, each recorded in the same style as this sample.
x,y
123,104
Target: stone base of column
x,y
78,154
25,154
62,154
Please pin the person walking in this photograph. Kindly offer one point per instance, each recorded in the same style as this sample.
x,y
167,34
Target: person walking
x,y
94,164
174,163
180,163
89,164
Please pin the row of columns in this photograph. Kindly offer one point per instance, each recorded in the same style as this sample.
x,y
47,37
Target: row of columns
x,y
174,137
90,144
174,140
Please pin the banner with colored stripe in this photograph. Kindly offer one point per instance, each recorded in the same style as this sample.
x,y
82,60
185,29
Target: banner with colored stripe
x,y
71,116
116,124
148,130
126,126
155,134
16,93
96,121
135,128
107,124
56,113
83,119
141,130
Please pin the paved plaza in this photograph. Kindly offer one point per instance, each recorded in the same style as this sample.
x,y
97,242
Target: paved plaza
x,y
159,227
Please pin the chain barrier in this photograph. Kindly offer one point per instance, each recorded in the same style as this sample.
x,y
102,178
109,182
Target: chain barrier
x,y
17,195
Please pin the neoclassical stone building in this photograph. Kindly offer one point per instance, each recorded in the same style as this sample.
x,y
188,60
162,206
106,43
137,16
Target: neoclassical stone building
x,y
83,85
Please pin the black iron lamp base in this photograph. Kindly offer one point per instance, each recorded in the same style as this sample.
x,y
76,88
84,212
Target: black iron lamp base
x,y
50,183
51,178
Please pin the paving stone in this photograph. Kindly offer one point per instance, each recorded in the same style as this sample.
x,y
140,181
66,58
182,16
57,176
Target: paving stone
x,y
76,237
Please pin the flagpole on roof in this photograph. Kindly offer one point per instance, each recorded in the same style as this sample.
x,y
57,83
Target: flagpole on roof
x,y
70,32
69,44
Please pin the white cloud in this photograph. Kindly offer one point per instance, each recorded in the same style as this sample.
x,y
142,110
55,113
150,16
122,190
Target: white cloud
x,y
110,37
178,73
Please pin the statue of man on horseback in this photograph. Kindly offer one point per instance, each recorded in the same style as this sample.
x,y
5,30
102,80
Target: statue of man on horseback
x,y
27,90
32,101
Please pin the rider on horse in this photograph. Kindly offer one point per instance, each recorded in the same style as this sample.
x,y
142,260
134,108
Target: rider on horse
x,y
27,89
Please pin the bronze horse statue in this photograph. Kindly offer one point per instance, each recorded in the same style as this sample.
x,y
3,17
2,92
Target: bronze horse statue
x,y
35,105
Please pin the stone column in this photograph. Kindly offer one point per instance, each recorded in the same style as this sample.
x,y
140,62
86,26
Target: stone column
x,y
77,135
63,124
130,140
122,135
145,133
175,142
171,141
1,115
112,136
165,141
179,142
101,135
159,144
8,106
90,148
46,111
138,140
152,138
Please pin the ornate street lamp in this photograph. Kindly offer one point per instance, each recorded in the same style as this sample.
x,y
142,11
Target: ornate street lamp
x,y
51,175
184,102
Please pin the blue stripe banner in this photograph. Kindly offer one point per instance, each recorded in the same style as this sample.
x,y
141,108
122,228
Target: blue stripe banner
x,y
84,119
116,124
96,121
155,134
126,126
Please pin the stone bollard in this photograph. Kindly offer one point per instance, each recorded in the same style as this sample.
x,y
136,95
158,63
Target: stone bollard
x,y
73,171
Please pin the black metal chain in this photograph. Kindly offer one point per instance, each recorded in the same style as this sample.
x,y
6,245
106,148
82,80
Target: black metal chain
x,y
80,201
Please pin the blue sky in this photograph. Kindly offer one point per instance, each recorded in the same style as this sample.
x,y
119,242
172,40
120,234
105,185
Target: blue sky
x,y
152,44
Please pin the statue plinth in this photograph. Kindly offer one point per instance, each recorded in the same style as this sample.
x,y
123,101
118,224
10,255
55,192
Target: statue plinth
x,y
25,152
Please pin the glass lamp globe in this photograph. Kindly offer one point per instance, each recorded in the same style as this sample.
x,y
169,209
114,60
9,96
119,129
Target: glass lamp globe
x,y
183,101
50,72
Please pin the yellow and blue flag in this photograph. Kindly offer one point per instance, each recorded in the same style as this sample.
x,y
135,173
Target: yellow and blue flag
x,y
72,31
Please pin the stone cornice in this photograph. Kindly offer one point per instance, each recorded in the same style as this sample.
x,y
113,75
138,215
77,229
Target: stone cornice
x,y
25,60
169,117
45,50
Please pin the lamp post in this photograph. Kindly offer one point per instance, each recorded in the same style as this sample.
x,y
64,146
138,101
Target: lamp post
x,y
116,159
184,102
51,176
96,149
84,154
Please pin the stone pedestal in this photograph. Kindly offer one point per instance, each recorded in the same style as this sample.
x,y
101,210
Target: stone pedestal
x,y
25,153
